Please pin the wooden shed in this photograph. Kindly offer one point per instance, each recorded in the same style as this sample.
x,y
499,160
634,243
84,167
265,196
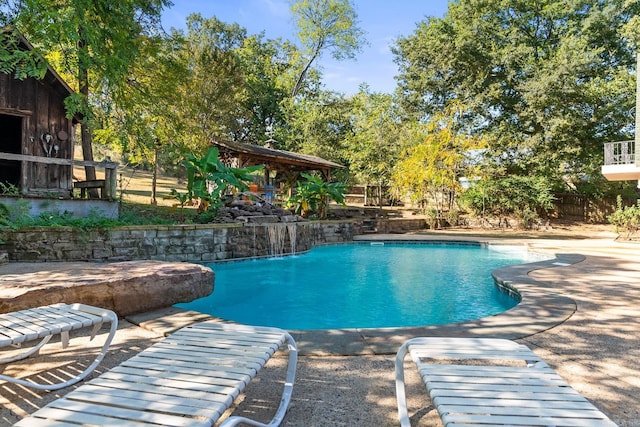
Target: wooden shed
x,y
37,138
36,142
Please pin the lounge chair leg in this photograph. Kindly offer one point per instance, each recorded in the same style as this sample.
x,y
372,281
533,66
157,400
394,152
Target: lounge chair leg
x,y
403,413
30,352
286,394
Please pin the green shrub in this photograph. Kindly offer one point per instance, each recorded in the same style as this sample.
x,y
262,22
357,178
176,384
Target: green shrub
x,y
208,179
433,218
626,218
524,197
65,219
8,189
313,195
17,217
452,216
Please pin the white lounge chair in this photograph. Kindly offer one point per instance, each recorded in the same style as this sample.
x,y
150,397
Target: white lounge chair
x,y
188,379
484,381
42,323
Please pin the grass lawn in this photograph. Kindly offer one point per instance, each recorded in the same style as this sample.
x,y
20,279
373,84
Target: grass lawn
x,y
134,188
134,185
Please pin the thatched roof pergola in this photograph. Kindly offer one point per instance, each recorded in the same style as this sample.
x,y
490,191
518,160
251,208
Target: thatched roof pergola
x,y
275,160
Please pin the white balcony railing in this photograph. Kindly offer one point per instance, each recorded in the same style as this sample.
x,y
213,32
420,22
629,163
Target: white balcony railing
x,y
619,153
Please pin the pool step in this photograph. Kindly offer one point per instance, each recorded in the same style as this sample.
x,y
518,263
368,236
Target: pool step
x,y
369,226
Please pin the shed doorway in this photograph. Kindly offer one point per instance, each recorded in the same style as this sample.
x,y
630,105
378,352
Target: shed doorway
x,y
10,142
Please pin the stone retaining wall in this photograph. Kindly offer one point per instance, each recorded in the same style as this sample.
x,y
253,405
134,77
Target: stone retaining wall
x,y
190,243
400,225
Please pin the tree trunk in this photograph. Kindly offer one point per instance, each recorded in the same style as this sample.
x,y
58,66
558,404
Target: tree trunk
x,y
304,72
85,131
154,179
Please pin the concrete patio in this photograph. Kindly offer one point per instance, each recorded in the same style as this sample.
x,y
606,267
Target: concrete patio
x,y
587,328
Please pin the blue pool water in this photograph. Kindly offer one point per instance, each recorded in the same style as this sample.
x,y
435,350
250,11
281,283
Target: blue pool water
x,y
363,286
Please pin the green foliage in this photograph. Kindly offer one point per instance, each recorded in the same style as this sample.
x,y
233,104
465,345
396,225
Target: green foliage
x,y
268,67
209,48
313,195
548,81
20,63
139,214
253,79
208,179
65,219
326,25
8,189
318,126
374,144
435,160
76,104
626,218
436,219
17,217
205,217
17,211
524,197
182,198
452,217
432,217
140,117
100,40
5,219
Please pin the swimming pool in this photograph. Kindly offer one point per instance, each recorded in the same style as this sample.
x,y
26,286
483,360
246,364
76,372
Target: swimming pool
x,y
363,286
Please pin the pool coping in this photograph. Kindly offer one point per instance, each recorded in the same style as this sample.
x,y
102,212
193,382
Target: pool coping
x,y
540,309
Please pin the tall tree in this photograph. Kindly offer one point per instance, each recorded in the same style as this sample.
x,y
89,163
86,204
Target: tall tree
x,y
326,25
631,32
374,145
318,125
267,66
548,79
99,40
213,92
437,155
145,124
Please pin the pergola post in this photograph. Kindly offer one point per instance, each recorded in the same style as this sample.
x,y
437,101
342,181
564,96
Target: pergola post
x,y
266,175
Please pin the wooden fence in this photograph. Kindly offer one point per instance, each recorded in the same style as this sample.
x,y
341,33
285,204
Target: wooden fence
x,y
567,206
582,208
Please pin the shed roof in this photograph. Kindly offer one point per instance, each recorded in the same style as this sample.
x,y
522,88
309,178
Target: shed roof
x,y
250,154
51,77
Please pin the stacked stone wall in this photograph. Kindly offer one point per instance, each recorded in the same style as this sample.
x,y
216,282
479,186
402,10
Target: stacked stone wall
x,y
191,243
398,225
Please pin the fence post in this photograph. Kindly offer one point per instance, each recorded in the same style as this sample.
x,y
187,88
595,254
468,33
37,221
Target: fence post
x,y
110,179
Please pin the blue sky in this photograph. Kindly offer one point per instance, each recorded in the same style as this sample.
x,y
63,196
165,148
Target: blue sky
x,y
382,20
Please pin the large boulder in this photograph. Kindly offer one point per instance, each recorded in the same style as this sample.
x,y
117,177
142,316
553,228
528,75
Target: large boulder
x,y
124,287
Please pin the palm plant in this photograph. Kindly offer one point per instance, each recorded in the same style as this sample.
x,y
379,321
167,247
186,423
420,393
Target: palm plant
x,y
313,195
208,179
